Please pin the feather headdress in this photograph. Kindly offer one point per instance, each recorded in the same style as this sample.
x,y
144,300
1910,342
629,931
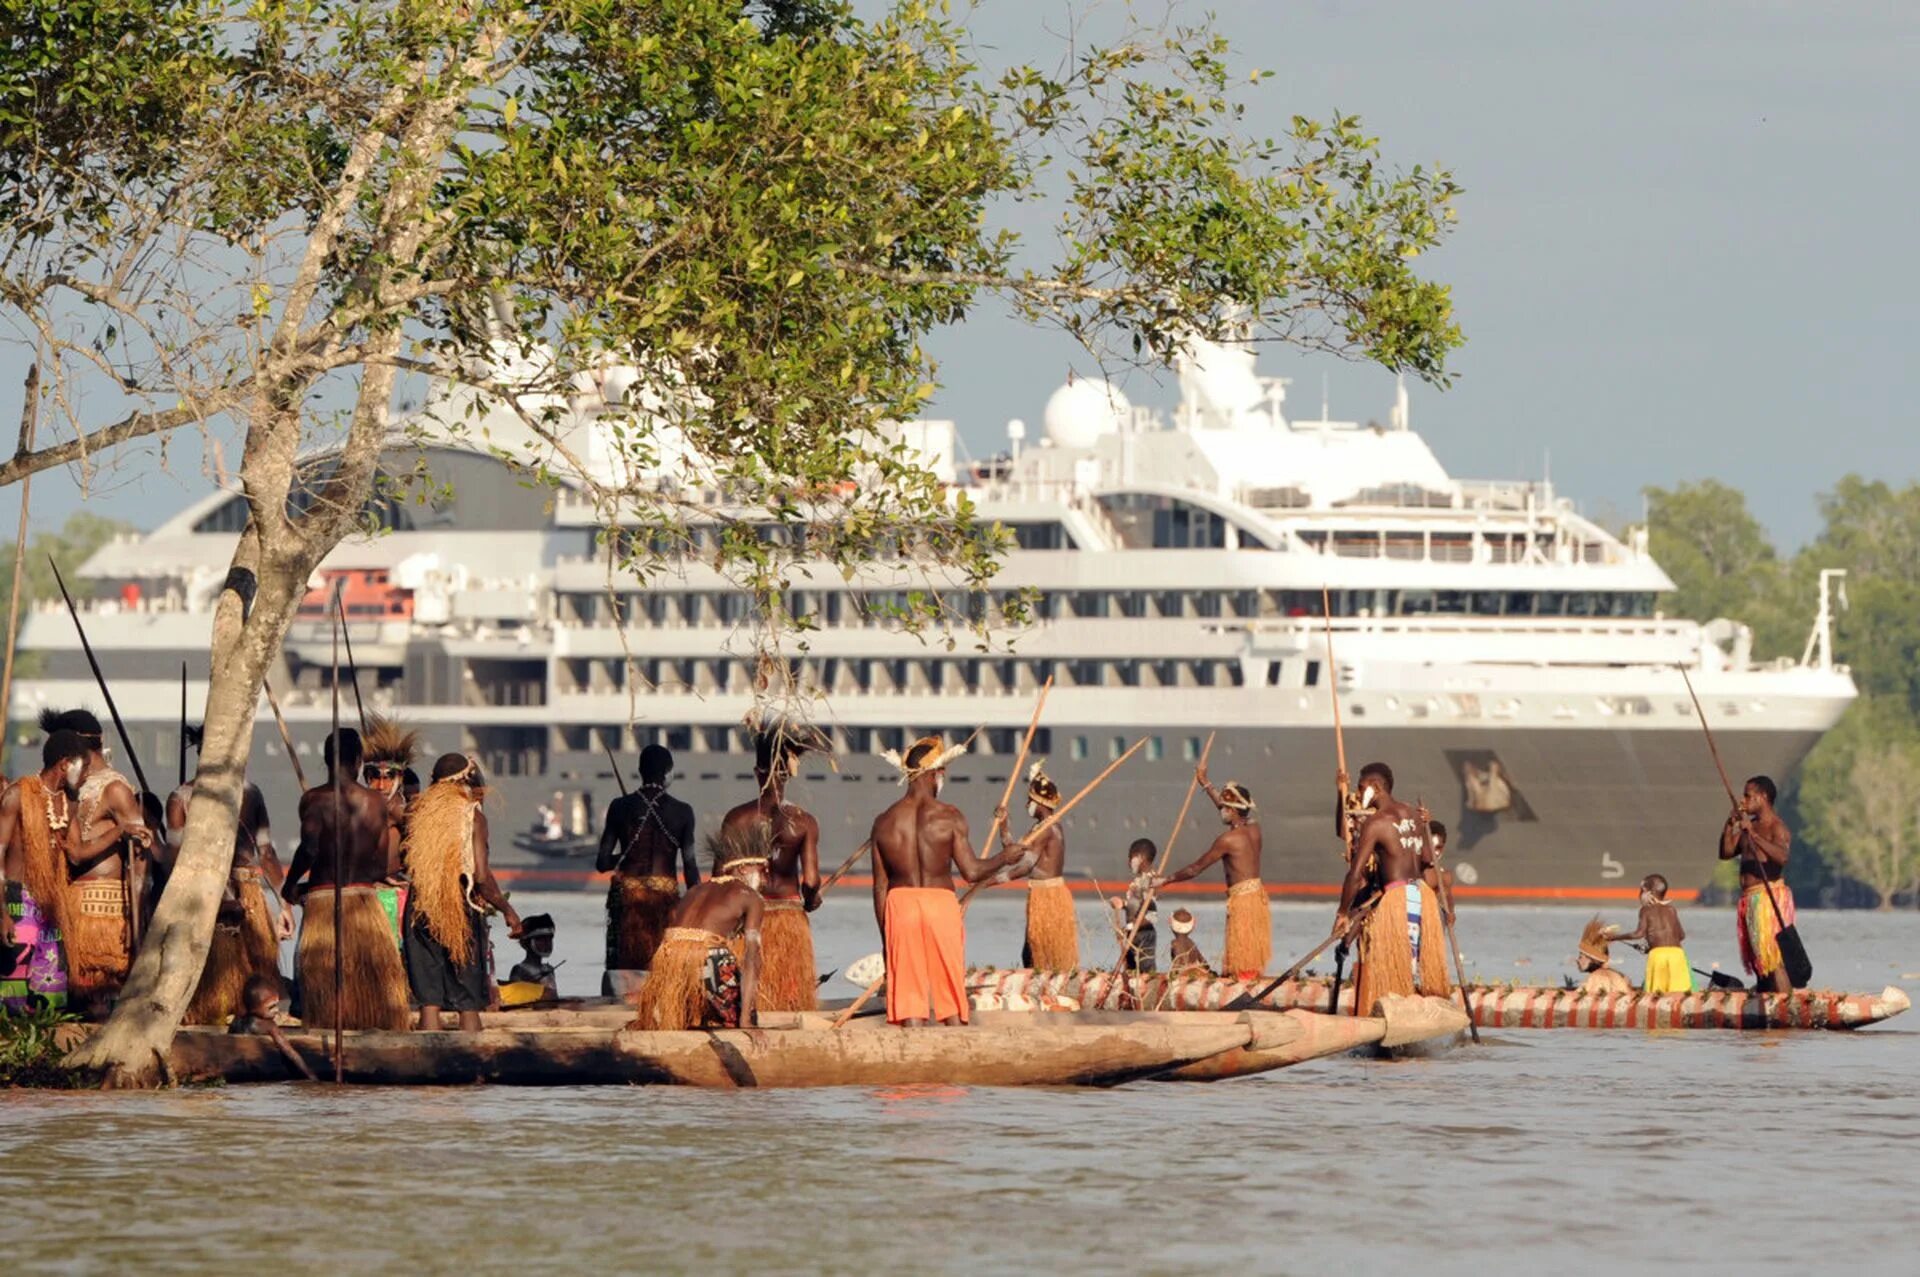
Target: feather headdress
x,y
928,754
743,845
1593,941
1234,797
1041,791
388,743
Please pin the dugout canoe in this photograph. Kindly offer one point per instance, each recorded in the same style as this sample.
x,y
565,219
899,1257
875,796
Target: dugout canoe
x,y
1493,1006
810,1054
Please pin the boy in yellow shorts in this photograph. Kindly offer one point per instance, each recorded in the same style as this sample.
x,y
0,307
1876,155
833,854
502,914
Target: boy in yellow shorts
x,y
1667,968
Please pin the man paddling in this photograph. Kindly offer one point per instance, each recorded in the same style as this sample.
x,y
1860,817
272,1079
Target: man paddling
x,y
793,870
1401,949
1053,936
1756,836
360,827
644,835
1249,913
918,843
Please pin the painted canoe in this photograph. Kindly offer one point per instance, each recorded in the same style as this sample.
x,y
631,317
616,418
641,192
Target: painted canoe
x,y
1494,1006
1027,1054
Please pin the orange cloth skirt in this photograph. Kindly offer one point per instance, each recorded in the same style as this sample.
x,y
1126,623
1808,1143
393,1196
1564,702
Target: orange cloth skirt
x,y
926,954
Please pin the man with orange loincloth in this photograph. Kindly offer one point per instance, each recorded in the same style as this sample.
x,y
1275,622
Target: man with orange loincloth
x,y
1401,945
34,815
1756,836
699,979
642,837
247,935
792,838
1053,936
918,842
107,849
373,992
1249,913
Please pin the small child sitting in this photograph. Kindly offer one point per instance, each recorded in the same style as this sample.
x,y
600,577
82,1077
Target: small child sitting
x,y
1593,959
1184,956
260,1004
532,978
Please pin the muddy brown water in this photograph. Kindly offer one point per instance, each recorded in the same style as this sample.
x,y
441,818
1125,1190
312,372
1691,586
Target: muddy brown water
x,y
1718,1152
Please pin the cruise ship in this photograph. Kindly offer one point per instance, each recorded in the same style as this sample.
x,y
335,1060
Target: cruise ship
x,y
1507,656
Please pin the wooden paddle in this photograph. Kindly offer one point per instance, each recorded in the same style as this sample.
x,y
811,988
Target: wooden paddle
x,y
1339,736
1166,854
845,865
1793,953
1247,1001
1445,895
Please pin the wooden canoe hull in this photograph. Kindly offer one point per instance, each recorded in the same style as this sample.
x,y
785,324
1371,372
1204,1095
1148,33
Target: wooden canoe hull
x,y
972,1055
1497,1007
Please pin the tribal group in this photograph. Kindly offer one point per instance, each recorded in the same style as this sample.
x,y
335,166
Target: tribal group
x,y
392,881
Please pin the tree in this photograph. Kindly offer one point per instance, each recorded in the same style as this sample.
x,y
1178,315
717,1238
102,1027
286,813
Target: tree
x,y
1721,561
1860,796
269,221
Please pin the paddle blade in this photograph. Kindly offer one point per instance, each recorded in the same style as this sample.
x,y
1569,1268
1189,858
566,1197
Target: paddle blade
x,y
1793,955
864,971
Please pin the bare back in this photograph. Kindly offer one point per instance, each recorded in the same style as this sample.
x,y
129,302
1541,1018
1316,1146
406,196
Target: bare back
x,y
920,841
1236,849
1391,838
362,822
795,836
647,835
1661,925
724,908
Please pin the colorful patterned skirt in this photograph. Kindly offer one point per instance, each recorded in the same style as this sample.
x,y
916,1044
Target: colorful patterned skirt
x,y
36,977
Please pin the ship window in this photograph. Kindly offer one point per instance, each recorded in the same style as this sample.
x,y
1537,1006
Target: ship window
x,y
1207,603
1089,603
1116,747
1549,603
1451,602
1079,750
1486,603
1155,750
1416,602
1131,603
1313,673
1580,605
1519,603
1190,749
1043,740
1273,673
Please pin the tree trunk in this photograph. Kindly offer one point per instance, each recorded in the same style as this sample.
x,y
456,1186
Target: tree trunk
x,y
131,1049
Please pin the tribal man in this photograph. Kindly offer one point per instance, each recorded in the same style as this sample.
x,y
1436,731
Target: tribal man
x,y
698,978
34,815
1401,950
644,833
390,751
917,844
373,992
792,838
446,860
1249,912
107,853
1756,836
1053,937
246,939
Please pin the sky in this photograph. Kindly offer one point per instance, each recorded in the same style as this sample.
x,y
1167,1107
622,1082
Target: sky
x,y
1685,246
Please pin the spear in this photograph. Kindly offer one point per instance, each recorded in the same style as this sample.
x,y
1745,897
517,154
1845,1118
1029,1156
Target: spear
x,y
618,779
339,870
1019,762
286,737
1166,854
183,722
126,742
29,422
353,670
1060,813
1339,736
1445,895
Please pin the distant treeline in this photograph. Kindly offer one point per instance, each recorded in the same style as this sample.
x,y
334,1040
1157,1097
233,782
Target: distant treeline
x,y
1855,807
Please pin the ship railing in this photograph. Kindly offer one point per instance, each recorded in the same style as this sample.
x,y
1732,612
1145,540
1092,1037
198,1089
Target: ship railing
x,y
1448,623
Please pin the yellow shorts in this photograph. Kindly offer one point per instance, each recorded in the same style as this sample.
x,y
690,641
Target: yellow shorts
x,y
1668,971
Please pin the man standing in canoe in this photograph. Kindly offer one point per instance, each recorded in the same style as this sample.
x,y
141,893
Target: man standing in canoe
x,y
1249,913
447,872
698,978
1756,836
107,849
792,890
1053,937
1401,950
374,990
33,876
642,837
917,845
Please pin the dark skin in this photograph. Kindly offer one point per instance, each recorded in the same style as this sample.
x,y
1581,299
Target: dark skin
x,y
1389,848
1435,876
252,845
634,844
262,1018
1238,849
368,853
1049,847
63,776
727,908
487,888
1659,925
1756,836
920,842
794,868
117,823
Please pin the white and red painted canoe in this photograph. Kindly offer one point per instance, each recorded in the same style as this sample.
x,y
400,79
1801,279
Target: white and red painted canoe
x,y
1494,1006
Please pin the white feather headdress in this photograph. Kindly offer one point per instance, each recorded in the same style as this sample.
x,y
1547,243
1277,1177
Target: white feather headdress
x,y
935,760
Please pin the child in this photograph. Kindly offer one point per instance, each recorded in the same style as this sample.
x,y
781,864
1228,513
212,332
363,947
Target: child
x,y
1146,939
1594,958
260,1003
1668,970
532,978
1184,956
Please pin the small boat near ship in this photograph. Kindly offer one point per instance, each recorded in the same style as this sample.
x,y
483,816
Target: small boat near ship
x,y
1493,1006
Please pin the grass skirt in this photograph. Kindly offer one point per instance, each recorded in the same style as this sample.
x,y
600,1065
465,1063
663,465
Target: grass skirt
x,y
237,953
787,977
1249,930
1053,937
674,994
374,983
1385,965
96,938
637,912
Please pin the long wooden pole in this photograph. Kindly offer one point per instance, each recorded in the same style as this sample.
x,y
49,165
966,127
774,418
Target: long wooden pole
x,y
29,423
1339,735
618,779
286,737
99,678
1019,764
845,865
1247,1001
353,670
1166,855
1060,813
183,722
339,871
1712,748
1445,895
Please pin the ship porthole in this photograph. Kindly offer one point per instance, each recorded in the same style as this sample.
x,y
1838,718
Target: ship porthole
x,y
1466,873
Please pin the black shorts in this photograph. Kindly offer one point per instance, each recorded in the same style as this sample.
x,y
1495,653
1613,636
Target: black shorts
x,y
431,973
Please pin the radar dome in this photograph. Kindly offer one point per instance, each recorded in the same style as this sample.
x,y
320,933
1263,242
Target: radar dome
x,y
1082,411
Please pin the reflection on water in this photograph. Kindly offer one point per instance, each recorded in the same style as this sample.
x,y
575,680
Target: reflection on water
x,y
1538,1149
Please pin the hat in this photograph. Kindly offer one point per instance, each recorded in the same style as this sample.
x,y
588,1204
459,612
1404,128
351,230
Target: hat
x,y
1182,922
1234,797
1041,791
536,924
928,754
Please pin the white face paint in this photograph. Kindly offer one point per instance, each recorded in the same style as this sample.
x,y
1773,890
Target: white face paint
x,y
1367,796
71,776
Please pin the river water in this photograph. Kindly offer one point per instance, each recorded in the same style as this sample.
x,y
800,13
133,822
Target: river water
x,y
1778,1153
